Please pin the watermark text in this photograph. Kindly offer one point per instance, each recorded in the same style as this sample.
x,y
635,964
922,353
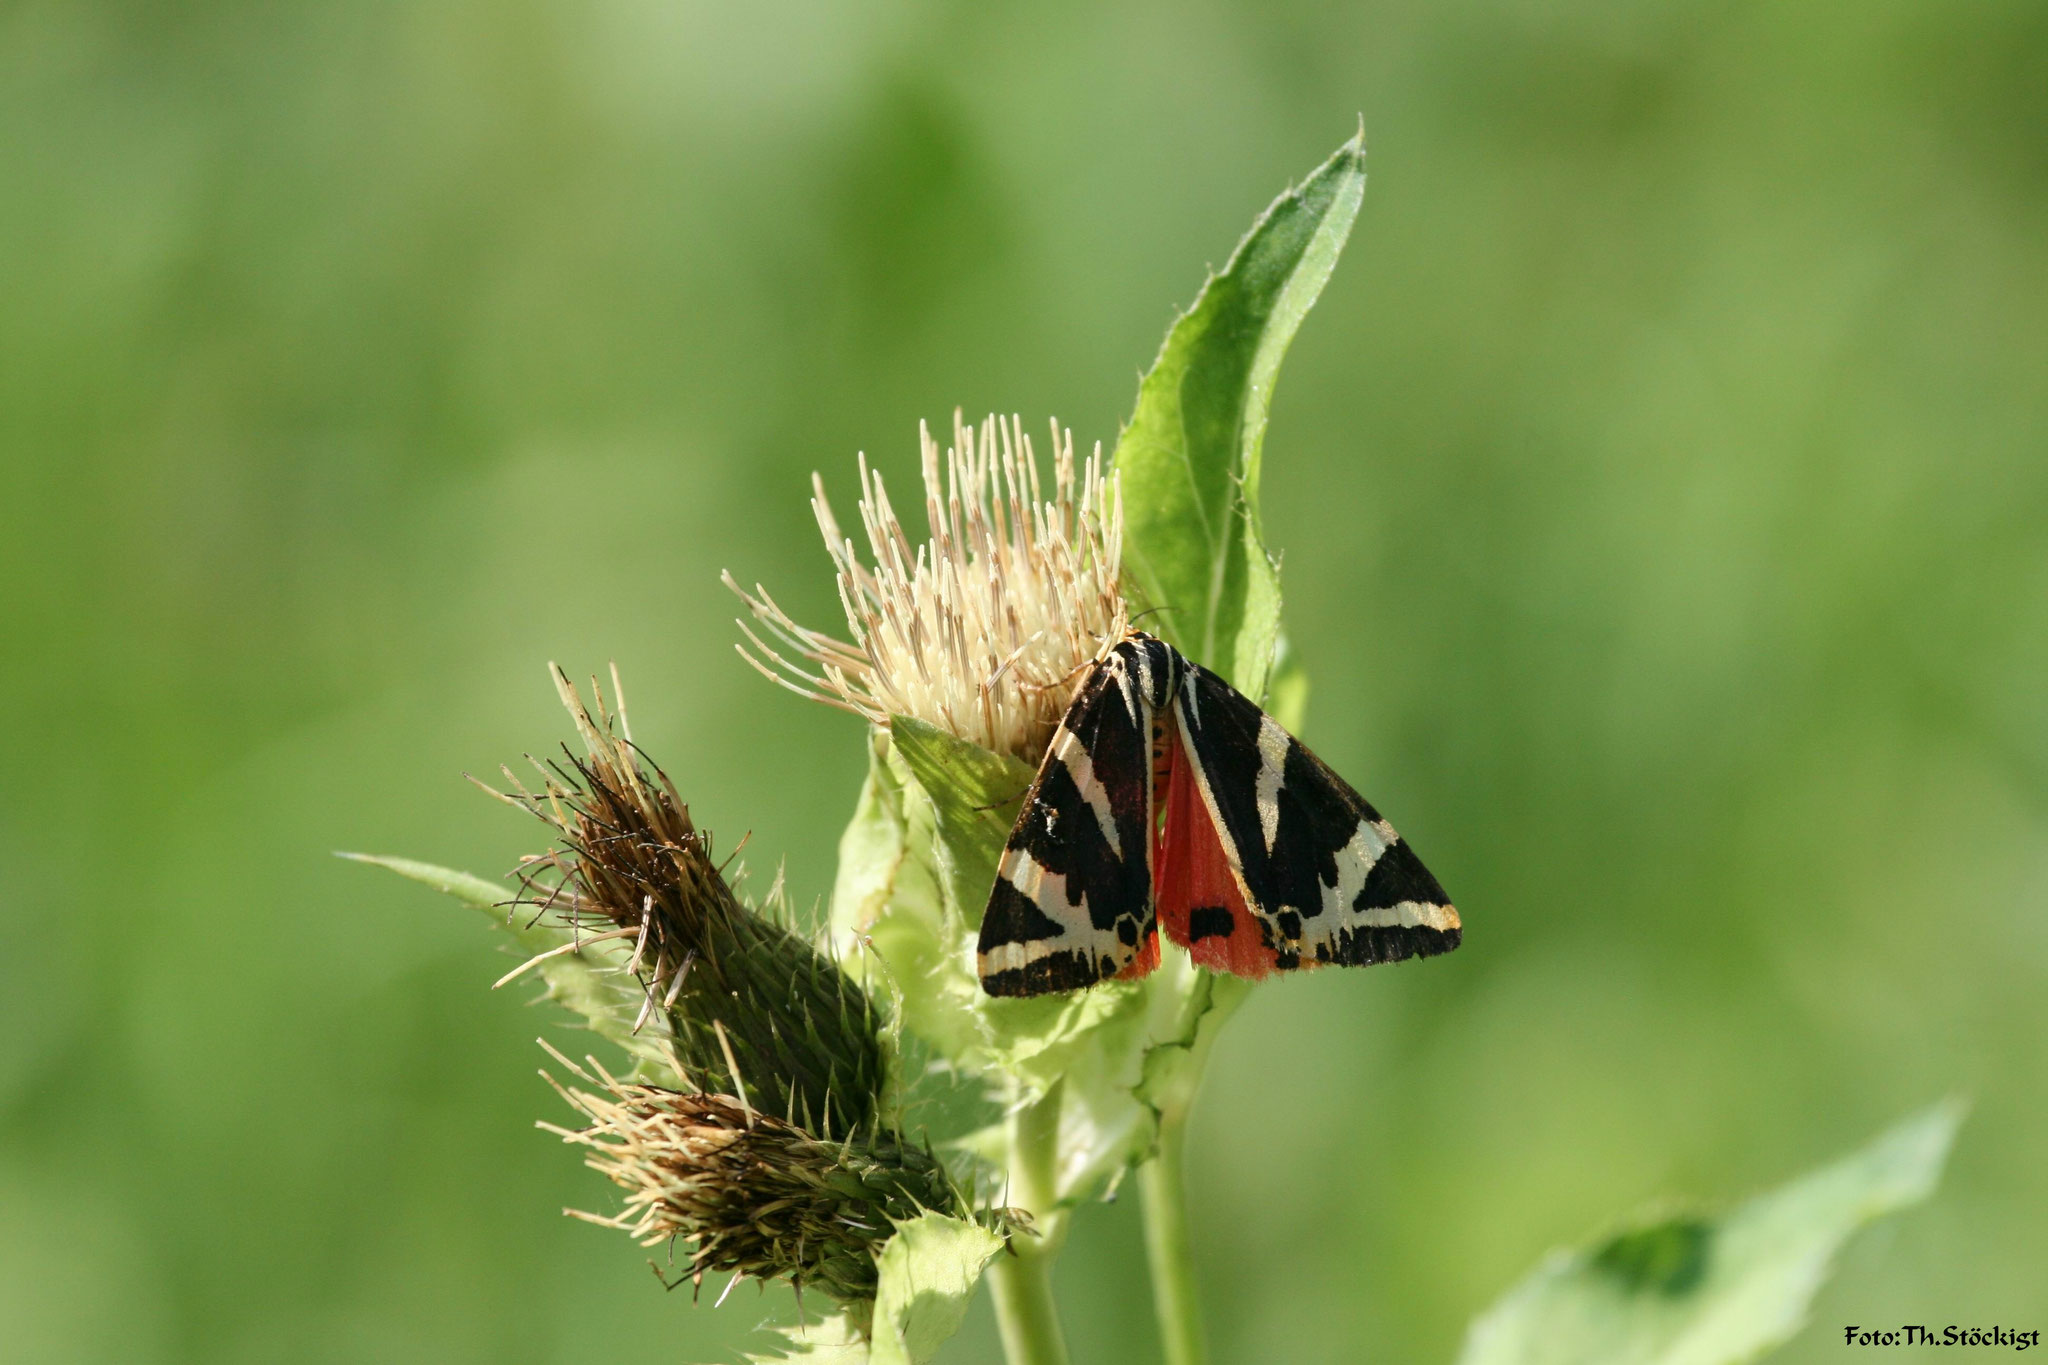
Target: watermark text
x,y
1918,1334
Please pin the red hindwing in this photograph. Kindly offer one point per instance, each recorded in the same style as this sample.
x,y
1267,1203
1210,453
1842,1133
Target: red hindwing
x,y
1202,903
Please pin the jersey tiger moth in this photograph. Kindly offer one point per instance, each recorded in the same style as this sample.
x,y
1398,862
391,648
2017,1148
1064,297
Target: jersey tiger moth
x,y
1265,859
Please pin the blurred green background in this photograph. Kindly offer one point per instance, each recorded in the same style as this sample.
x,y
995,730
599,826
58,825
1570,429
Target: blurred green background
x,y
1662,491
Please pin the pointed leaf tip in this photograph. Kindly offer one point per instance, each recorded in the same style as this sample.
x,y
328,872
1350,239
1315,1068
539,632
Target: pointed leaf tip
x,y
1190,456
464,886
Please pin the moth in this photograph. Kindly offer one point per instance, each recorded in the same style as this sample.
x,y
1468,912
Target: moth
x,y
1168,801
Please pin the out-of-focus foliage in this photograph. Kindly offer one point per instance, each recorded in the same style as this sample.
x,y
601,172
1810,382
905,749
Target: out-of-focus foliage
x,y
1696,1289
1660,491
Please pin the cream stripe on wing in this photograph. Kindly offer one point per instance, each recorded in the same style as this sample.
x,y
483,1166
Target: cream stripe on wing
x,y
1122,674
1047,890
1409,915
1330,929
1182,705
1081,768
1369,843
1273,746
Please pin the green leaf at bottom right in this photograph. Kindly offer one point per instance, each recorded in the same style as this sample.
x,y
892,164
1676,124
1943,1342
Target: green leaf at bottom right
x,y
1710,1290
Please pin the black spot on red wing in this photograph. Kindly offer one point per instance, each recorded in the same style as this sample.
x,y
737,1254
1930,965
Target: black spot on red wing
x,y
1127,930
1210,921
1289,924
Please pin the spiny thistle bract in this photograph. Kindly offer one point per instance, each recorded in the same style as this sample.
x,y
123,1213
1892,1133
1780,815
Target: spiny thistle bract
x,y
756,1196
755,1009
982,630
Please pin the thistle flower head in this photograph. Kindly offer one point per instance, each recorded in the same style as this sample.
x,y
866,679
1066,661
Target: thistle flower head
x,y
755,1009
752,1194
981,629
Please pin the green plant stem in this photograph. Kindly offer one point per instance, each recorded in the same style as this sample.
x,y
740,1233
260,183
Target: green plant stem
x,y
1021,1279
1025,1312
1162,1188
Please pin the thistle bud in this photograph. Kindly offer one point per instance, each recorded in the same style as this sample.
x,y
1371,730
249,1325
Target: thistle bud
x,y
756,1010
753,1195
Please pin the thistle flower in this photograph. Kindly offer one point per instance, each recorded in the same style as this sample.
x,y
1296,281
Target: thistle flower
x,y
755,1009
981,630
754,1195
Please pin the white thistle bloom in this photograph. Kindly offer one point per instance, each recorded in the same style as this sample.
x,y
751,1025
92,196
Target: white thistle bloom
x,y
984,629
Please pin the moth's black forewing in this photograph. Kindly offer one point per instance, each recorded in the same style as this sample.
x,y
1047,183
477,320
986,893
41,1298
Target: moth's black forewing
x,y
1324,872
1091,907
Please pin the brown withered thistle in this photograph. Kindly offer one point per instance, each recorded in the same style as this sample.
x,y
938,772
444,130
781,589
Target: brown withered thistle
x,y
755,1196
756,1010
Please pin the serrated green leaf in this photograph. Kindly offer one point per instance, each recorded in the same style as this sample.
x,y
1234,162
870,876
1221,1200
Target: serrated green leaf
x,y
891,916
592,981
1189,458
928,1272
872,851
983,792
1697,1290
832,1340
1185,1021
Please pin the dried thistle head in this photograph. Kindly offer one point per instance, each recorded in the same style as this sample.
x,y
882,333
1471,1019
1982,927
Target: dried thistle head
x,y
755,1009
630,864
753,1195
982,629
